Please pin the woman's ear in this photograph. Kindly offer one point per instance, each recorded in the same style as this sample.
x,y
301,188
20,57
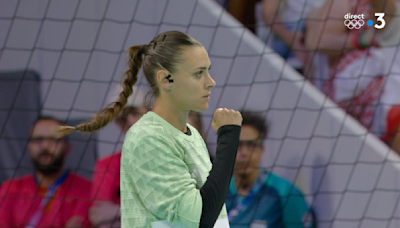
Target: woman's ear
x,y
163,78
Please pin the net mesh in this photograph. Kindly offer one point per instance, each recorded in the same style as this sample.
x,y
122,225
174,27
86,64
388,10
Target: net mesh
x,y
72,54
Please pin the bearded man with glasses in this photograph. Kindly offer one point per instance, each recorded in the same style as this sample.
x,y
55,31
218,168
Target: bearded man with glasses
x,y
52,196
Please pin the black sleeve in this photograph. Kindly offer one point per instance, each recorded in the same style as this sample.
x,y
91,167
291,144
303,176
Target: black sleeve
x,y
215,189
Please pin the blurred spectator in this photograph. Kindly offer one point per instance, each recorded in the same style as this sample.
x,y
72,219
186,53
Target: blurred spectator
x,y
349,67
256,197
389,40
194,119
392,130
286,19
53,196
105,211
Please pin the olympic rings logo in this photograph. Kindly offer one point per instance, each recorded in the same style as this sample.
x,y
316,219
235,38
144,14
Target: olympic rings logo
x,y
354,24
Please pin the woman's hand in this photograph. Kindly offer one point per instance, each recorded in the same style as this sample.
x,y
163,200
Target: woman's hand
x,y
223,116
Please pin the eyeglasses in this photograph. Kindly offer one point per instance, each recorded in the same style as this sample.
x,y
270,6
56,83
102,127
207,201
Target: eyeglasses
x,y
40,139
250,143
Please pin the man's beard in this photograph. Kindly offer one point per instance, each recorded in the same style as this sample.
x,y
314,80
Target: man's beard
x,y
53,167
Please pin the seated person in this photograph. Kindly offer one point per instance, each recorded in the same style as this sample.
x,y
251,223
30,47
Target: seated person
x,y
105,212
258,198
22,200
349,66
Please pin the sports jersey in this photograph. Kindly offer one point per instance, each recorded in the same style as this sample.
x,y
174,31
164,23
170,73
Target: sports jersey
x,y
162,170
273,202
106,181
20,199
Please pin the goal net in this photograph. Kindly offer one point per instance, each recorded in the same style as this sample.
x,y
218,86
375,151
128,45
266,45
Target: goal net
x,y
74,53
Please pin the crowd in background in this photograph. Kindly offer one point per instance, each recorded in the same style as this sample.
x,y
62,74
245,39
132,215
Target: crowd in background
x,y
358,69
352,67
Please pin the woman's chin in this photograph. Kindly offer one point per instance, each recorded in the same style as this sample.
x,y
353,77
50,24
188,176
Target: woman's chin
x,y
201,108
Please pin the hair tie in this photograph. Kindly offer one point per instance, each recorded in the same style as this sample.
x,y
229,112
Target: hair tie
x,y
155,41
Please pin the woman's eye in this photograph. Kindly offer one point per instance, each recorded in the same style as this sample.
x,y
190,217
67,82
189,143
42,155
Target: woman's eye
x,y
199,73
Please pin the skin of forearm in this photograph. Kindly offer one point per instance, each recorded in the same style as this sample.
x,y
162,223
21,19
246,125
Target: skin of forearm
x,y
115,224
331,44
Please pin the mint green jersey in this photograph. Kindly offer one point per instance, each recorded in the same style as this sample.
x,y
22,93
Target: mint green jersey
x,y
162,170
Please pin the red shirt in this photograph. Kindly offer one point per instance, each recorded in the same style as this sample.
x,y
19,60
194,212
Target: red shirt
x,y
106,177
20,199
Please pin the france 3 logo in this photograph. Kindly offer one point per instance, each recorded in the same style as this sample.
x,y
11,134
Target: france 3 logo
x,y
357,21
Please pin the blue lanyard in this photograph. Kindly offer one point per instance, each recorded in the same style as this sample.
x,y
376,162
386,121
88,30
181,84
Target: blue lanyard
x,y
49,194
243,202
50,191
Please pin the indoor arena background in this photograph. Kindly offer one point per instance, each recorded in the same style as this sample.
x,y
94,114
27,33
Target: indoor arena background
x,y
63,58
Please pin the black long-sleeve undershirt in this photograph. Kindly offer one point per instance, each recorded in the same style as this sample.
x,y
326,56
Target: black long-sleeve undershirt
x,y
215,189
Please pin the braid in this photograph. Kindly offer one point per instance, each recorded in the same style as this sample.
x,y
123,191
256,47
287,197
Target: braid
x,y
108,114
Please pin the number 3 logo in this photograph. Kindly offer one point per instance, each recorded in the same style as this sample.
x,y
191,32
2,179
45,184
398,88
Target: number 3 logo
x,y
381,20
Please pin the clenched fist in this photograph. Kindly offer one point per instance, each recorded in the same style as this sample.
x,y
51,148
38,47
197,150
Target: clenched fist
x,y
223,116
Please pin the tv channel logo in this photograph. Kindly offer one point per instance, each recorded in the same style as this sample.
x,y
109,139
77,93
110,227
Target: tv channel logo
x,y
353,21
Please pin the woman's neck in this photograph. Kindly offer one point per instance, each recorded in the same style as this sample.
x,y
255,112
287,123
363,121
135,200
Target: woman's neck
x,y
170,113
